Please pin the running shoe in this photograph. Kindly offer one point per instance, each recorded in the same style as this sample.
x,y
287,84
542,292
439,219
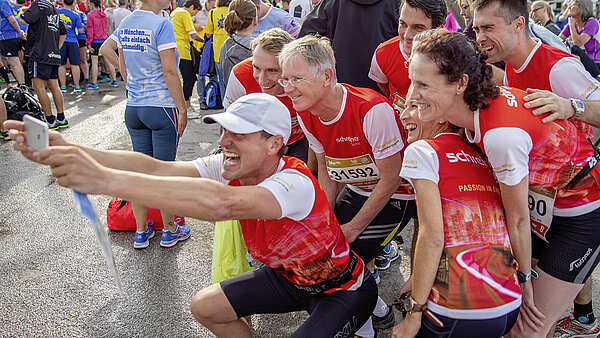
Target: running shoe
x,y
114,84
53,125
170,238
375,275
62,123
4,136
570,327
192,113
203,106
76,90
142,239
389,254
91,86
104,79
384,323
63,89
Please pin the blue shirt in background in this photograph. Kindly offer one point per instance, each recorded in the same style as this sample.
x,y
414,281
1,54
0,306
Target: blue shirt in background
x,y
83,17
72,23
15,12
6,29
142,35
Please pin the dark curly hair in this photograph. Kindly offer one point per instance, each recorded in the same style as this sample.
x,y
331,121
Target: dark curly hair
x,y
456,55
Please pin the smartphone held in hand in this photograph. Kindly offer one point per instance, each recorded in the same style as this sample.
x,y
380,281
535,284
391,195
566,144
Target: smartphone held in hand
x,y
36,133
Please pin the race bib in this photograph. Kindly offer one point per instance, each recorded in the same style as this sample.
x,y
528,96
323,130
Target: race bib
x,y
359,171
399,103
541,206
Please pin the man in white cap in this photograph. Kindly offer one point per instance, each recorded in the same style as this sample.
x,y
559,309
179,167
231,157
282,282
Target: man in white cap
x,y
286,219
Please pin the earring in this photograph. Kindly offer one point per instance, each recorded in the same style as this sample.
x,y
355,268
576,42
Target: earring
x,y
442,122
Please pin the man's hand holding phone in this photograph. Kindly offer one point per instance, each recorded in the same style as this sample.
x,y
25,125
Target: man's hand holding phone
x,y
16,131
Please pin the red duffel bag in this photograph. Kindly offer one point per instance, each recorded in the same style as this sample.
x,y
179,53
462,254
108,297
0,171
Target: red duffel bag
x,y
119,216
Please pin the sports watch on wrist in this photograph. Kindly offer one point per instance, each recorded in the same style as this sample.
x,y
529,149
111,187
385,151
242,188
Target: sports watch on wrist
x,y
578,107
411,306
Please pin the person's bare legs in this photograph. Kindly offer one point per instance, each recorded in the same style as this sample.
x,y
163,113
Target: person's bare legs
x,y
94,75
552,296
168,221
62,75
75,74
39,86
57,96
212,309
2,114
140,212
111,70
85,68
17,68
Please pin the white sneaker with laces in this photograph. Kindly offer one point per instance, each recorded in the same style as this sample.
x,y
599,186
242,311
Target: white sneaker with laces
x,y
192,113
570,327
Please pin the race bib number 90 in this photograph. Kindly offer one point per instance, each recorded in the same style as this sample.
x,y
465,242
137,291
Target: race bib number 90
x,y
359,171
541,206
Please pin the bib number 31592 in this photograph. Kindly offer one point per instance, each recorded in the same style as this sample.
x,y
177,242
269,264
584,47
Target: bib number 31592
x,y
541,206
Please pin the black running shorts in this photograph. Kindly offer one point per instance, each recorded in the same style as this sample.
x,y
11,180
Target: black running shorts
x,y
337,314
573,248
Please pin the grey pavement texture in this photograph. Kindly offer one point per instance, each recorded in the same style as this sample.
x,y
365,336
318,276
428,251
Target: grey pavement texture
x,y
54,280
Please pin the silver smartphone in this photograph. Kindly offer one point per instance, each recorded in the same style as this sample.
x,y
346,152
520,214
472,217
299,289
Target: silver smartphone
x,y
36,133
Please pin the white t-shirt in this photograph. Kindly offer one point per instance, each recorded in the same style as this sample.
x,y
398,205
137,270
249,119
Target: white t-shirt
x,y
277,18
288,186
299,9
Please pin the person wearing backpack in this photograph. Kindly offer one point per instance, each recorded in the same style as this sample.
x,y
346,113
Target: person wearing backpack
x,y
216,30
240,24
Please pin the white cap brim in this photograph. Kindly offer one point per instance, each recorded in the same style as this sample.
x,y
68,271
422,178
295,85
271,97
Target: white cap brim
x,y
231,122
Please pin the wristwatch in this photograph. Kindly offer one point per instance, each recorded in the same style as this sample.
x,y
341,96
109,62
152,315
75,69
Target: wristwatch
x,y
411,306
579,108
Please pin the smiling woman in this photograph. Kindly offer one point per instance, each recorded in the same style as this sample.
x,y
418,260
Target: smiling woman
x,y
524,153
462,237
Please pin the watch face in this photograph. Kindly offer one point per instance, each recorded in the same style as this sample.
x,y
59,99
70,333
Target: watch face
x,y
578,105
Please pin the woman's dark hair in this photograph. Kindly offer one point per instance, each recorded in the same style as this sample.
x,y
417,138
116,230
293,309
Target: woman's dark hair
x,y
194,4
456,55
240,16
96,3
223,3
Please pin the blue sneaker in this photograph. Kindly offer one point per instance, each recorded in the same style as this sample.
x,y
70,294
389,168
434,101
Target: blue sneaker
x,y
375,274
103,79
170,238
114,84
91,86
63,89
388,255
142,239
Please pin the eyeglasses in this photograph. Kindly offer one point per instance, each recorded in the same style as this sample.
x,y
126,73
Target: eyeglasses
x,y
294,81
537,9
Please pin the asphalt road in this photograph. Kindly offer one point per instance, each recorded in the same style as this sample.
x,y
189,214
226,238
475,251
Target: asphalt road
x,y
54,280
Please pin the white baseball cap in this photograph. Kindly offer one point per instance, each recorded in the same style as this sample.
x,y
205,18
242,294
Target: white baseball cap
x,y
255,112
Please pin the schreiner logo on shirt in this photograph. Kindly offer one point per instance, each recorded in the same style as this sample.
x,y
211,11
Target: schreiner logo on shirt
x,y
464,157
346,139
579,261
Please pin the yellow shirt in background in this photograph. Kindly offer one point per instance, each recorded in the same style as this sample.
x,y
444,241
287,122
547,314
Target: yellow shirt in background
x,y
215,26
183,26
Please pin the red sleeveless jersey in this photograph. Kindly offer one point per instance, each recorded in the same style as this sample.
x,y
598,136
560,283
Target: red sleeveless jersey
x,y
305,252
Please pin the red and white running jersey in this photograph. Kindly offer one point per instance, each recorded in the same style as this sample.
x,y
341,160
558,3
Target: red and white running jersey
x,y
366,129
388,65
306,245
552,69
242,82
476,276
518,144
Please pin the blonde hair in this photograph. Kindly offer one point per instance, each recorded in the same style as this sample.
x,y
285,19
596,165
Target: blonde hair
x,y
544,4
241,15
272,40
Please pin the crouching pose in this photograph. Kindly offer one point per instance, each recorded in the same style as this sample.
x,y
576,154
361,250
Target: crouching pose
x,y
285,217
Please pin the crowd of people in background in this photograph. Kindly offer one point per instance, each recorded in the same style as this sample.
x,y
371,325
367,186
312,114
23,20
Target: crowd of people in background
x,y
428,100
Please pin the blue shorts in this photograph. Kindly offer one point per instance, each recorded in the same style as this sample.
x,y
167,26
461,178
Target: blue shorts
x,y
70,50
153,131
